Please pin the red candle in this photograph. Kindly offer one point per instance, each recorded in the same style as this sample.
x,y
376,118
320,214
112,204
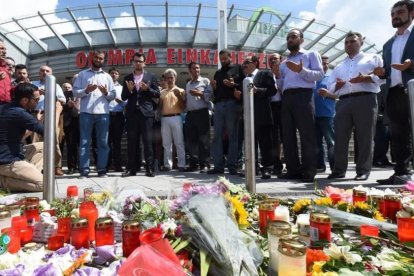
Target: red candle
x,y
320,228
392,206
405,229
131,230
151,235
55,242
14,244
32,214
87,209
368,230
335,198
31,200
266,214
72,192
360,196
104,231
26,235
64,228
19,222
79,233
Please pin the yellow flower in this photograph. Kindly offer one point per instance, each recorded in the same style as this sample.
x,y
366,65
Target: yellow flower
x,y
361,205
300,204
239,212
378,216
317,267
324,201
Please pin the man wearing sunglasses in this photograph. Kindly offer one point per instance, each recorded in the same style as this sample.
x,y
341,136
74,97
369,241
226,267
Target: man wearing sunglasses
x,y
20,170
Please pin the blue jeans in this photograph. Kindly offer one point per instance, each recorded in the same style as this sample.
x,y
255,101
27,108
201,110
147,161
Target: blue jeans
x,y
87,122
325,129
226,118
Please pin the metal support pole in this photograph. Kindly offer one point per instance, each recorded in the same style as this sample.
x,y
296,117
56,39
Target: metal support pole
x,y
249,148
49,139
410,86
221,26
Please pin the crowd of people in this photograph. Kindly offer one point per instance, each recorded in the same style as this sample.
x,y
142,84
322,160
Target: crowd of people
x,y
294,98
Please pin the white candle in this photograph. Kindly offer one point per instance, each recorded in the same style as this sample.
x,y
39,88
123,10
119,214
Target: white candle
x,y
282,213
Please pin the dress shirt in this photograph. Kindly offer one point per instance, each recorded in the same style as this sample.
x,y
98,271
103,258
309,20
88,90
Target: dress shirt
x,y
94,102
311,72
363,63
170,103
277,97
396,54
60,96
14,121
114,106
5,84
197,102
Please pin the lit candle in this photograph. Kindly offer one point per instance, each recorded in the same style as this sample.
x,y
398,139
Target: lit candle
x,y
282,213
405,229
275,231
131,230
104,231
72,192
266,214
55,242
87,209
392,206
79,233
359,196
292,258
320,229
151,235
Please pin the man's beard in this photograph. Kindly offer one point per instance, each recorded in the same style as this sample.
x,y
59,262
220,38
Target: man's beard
x,y
97,65
399,23
293,47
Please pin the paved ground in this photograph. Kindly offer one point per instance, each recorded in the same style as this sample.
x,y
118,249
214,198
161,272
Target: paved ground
x,y
166,182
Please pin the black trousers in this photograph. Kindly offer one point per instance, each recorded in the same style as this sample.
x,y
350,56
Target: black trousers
x,y
71,138
116,129
139,126
197,135
398,110
277,134
298,112
263,137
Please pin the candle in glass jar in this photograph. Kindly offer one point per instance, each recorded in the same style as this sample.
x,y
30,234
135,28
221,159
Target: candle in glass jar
x,y
282,213
320,228
79,233
64,228
405,229
131,230
374,201
266,214
359,196
104,231
88,210
392,206
292,258
32,214
72,192
14,235
31,200
276,230
87,192
55,242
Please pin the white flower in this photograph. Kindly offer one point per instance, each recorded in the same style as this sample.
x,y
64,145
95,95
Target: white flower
x,y
387,259
75,213
342,252
168,226
44,205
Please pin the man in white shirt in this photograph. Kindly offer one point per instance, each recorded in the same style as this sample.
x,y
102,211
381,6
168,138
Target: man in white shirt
x,y
398,55
356,86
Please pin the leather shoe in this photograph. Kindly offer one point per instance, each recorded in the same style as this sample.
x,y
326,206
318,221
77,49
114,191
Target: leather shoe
x,y
394,179
149,173
265,175
126,174
59,172
215,171
361,176
335,175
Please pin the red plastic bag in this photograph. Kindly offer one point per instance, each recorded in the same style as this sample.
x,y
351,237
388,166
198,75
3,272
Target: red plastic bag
x,y
153,259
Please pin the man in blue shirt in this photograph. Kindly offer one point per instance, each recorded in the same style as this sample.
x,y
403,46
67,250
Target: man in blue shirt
x,y
96,89
324,114
17,174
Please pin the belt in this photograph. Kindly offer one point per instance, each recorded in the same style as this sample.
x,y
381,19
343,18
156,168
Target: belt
x,y
297,90
355,94
197,110
172,115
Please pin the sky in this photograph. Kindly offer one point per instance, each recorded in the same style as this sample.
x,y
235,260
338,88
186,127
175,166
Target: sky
x,y
369,17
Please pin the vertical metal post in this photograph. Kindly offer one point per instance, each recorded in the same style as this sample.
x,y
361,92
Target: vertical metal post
x,y
249,148
49,139
221,26
410,87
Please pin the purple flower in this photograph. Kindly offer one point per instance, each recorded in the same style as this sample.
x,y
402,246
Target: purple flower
x,y
47,269
17,271
87,271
